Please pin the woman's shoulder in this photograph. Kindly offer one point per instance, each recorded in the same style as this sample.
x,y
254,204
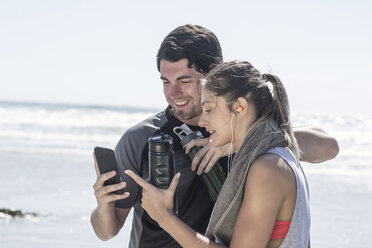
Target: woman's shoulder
x,y
270,167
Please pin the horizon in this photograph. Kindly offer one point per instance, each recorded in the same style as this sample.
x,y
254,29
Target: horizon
x,y
149,109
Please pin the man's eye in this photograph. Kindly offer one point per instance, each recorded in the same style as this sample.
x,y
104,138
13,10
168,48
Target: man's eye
x,y
165,82
186,82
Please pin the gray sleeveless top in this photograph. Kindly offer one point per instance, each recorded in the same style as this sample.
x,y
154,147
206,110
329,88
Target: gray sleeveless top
x,y
299,231
221,225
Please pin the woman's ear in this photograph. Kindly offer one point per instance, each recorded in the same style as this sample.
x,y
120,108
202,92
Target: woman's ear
x,y
238,109
241,106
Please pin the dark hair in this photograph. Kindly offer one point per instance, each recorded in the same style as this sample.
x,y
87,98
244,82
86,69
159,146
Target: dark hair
x,y
240,79
198,45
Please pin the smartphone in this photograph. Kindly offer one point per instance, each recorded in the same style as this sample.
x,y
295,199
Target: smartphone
x,y
107,162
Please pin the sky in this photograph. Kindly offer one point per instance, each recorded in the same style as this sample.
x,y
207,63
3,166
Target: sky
x,y
104,52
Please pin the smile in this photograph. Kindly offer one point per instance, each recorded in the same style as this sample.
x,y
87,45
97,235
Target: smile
x,y
180,103
211,133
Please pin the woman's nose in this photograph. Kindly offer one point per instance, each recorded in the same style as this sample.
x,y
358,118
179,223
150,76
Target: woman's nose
x,y
203,122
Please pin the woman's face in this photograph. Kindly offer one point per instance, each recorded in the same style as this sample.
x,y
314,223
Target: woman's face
x,y
216,118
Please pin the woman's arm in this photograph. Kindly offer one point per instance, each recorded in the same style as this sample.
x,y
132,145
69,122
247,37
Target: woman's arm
x,y
266,188
316,145
159,203
184,235
267,197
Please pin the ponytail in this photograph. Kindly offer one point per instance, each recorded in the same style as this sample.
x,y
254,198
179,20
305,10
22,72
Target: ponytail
x,y
280,111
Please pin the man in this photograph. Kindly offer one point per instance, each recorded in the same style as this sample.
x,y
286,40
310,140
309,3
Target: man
x,y
184,57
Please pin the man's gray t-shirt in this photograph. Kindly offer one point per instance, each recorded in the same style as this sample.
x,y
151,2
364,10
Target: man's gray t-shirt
x,y
194,204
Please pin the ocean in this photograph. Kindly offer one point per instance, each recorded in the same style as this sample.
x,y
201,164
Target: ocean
x,y
46,167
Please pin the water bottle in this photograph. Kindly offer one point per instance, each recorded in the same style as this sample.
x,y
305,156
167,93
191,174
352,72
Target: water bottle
x,y
161,163
215,178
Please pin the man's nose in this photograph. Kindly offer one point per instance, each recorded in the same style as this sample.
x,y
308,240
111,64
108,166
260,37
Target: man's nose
x,y
175,91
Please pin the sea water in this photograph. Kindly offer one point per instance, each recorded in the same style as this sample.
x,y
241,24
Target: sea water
x,y
46,166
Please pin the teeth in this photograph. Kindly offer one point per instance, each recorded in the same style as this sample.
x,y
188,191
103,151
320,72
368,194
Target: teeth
x,y
180,102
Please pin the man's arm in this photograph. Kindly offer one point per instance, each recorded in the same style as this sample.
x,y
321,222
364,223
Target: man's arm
x,y
316,145
108,222
106,219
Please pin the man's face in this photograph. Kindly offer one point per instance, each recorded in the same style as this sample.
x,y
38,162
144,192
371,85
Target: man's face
x,y
182,90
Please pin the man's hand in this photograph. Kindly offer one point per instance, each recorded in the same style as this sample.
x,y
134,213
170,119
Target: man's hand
x,y
106,219
105,197
208,154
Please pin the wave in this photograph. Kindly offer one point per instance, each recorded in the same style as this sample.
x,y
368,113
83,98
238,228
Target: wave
x,y
60,128
68,128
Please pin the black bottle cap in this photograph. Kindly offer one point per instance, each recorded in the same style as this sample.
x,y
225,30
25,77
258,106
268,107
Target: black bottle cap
x,y
160,143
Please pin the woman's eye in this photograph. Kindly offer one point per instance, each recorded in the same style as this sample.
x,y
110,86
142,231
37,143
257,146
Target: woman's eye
x,y
207,111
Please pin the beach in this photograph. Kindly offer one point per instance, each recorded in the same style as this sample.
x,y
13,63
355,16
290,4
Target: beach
x,y
47,167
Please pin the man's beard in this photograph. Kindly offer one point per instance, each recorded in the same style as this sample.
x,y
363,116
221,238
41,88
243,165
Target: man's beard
x,y
183,115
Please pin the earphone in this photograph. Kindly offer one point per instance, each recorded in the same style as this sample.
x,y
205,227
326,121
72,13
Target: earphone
x,y
238,109
229,159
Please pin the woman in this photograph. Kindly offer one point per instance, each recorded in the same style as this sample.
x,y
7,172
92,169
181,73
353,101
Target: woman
x,y
264,201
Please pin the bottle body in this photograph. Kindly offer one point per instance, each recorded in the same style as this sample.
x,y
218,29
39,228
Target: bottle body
x,y
161,169
214,179
161,163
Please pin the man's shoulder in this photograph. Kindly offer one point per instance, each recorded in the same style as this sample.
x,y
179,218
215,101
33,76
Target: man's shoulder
x,y
140,132
147,126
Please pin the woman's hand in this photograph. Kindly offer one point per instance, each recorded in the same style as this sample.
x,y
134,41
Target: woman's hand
x,y
158,203
208,154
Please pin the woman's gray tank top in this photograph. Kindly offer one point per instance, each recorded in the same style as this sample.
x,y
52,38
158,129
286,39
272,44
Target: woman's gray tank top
x,y
299,231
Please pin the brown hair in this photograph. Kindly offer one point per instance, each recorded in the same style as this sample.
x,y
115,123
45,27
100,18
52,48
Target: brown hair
x,y
195,43
235,79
